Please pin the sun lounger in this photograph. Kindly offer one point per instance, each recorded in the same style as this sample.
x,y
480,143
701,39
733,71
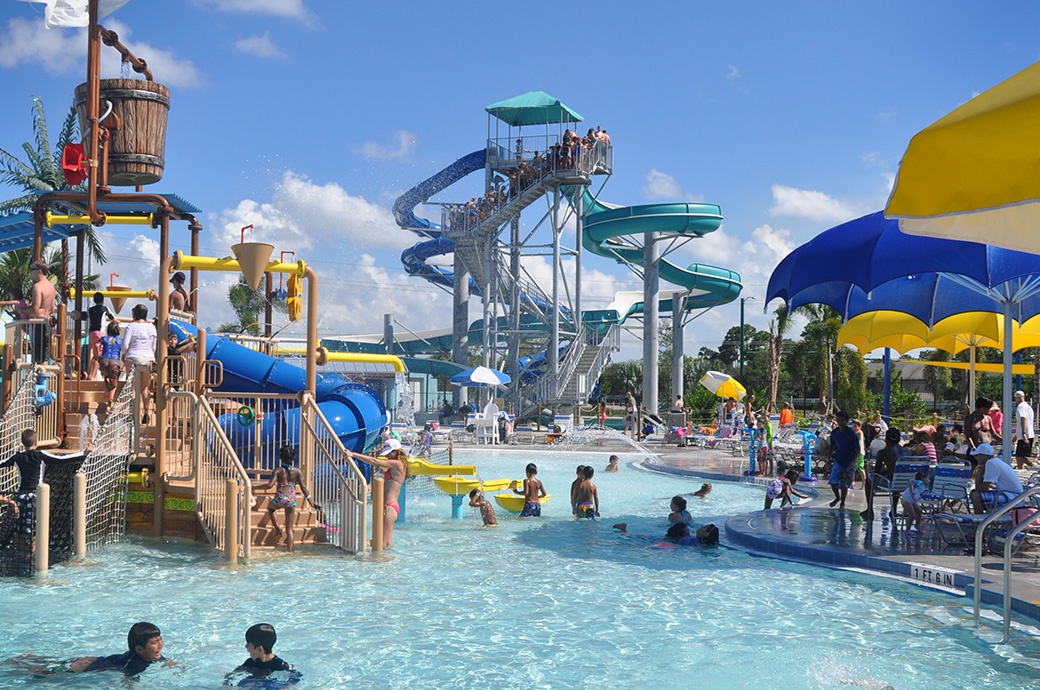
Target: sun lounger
x,y
906,470
949,491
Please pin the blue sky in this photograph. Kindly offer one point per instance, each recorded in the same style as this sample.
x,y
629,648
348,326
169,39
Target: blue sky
x,y
307,118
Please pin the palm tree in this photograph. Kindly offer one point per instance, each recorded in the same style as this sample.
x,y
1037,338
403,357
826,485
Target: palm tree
x,y
40,171
822,330
777,330
14,271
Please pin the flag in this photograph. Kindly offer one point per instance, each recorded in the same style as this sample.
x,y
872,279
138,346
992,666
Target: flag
x,y
74,13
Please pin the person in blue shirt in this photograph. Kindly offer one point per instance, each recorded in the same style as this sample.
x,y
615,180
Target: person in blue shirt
x,y
844,445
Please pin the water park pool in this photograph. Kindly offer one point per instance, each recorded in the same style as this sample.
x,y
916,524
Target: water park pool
x,y
534,603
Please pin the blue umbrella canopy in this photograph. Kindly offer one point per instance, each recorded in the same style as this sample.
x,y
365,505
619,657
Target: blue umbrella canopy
x,y
871,251
480,377
930,297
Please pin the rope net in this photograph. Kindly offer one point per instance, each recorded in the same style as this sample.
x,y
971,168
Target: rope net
x,y
106,468
106,473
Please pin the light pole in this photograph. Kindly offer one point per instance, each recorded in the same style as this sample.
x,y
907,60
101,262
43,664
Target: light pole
x,y
742,300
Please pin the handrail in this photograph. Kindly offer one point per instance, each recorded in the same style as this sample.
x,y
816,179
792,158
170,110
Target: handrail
x,y
979,532
346,527
1008,544
214,462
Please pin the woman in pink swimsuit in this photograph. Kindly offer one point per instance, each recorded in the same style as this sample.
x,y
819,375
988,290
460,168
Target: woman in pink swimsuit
x,y
393,461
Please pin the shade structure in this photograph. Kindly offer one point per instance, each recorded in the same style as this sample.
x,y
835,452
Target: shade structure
x,y
870,251
480,377
973,174
864,262
723,385
533,108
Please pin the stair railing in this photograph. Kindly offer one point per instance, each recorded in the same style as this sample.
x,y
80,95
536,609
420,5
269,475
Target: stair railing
x,y
339,491
214,462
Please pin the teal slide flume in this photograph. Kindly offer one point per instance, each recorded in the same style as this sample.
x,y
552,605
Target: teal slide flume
x,y
605,227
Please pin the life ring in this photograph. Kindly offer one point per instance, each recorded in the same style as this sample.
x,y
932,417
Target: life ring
x,y
293,300
245,415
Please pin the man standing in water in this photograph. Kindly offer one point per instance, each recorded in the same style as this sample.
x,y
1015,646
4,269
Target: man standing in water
x,y
42,306
844,444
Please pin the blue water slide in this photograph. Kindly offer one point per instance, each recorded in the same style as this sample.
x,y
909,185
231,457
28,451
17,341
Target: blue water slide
x,y
355,412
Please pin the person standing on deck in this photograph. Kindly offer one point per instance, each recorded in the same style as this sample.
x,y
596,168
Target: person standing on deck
x,y
844,444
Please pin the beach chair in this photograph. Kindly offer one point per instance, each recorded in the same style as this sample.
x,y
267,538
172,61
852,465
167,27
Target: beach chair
x,y
486,425
906,470
949,491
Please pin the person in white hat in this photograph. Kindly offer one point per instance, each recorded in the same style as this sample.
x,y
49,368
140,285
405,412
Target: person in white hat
x,y
1024,432
999,483
394,462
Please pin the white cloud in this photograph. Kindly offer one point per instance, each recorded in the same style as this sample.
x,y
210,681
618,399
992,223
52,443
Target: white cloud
x,y
661,186
811,205
886,115
26,42
260,46
167,69
291,9
732,73
402,148
305,215
63,51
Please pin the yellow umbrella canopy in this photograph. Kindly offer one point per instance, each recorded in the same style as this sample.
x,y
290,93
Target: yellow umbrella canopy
x,y
876,329
973,174
723,385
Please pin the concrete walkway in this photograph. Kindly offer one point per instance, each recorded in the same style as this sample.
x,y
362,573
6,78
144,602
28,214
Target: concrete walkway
x,y
815,533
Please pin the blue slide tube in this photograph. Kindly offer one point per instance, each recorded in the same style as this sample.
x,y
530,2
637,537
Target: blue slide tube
x,y
355,412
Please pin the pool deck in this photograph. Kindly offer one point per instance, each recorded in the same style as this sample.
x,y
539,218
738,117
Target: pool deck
x,y
813,532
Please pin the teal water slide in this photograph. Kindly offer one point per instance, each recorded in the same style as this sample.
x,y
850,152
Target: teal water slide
x,y
606,227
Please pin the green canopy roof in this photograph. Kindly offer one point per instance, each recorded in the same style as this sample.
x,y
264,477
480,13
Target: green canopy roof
x,y
533,108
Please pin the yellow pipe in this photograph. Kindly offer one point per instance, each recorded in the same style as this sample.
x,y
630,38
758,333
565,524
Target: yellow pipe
x,y
131,294
53,219
324,356
227,263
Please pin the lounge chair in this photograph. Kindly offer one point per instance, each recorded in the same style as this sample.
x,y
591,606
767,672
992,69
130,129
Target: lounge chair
x,y
949,491
906,471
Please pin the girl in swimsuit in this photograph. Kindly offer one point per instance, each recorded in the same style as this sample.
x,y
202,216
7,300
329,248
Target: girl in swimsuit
x,y
284,480
393,461
679,514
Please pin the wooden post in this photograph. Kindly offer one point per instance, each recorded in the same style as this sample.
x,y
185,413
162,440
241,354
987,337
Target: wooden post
x,y
231,521
59,355
79,516
6,388
377,514
42,554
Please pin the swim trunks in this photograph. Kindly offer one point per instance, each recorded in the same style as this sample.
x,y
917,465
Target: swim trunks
x,y
861,464
531,509
26,512
586,510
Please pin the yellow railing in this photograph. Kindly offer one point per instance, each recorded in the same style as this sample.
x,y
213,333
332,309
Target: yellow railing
x,y
339,490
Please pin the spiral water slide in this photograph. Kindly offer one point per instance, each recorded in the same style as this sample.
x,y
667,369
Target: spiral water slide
x,y
355,412
606,226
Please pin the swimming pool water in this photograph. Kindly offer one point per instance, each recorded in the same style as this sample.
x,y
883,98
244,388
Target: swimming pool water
x,y
536,603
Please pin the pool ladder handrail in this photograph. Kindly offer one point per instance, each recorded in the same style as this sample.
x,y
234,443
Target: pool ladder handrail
x,y
1010,540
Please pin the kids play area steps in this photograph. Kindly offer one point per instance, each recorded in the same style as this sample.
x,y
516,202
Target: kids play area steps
x,y
306,527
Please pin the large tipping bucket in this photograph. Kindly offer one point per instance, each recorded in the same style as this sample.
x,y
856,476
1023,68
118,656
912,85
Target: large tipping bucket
x,y
136,150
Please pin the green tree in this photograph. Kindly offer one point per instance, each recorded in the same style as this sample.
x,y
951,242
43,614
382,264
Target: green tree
x,y
822,332
621,377
40,171
249,307
938,379
778,327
